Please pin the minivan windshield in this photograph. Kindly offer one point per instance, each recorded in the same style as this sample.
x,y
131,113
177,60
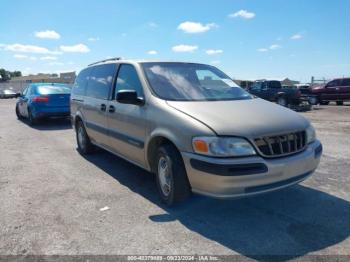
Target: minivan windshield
x,y
191,82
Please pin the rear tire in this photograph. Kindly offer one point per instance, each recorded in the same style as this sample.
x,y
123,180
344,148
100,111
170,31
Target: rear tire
x,y
313,101
18,114
282,101
172,181
32,120
85,146
340,103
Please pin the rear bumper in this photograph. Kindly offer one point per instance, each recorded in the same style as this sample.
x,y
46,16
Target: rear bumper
x,y
40,112
239,177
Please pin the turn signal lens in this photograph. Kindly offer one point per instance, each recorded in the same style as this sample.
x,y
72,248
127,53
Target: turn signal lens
x,y
200,146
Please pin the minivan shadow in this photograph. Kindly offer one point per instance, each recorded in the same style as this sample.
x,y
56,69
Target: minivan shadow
x,y
285,224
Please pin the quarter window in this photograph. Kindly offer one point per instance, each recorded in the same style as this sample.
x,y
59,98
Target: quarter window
x,y
81,81
128,79
100,82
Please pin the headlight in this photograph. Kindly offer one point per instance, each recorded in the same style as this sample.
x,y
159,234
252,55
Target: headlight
x,y
222,146
310,134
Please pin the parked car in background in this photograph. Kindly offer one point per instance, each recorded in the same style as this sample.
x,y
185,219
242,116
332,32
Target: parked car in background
x,y
8,93
42,100
273,91
337,90
193,127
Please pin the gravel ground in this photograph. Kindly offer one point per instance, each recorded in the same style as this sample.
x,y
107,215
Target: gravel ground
x,y
51,199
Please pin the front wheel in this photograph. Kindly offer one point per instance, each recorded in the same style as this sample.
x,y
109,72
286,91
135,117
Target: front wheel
x,y
172,181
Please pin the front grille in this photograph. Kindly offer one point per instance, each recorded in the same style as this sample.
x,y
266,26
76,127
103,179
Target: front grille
x,y
281,145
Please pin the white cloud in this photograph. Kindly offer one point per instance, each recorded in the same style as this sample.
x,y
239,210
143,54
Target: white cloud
x,y
93,39
194,27
274,47
296,37
48,34
243,14
27,49
262,50
184,48
152,52
214,51
18,56
48,58
78,48
55,63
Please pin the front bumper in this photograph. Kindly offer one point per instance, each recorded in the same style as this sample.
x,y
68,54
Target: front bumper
x,y
239,177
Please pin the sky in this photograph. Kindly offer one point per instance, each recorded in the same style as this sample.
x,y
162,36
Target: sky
x,y
247,39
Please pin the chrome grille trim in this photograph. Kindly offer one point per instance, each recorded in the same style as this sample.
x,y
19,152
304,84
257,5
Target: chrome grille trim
x,y
281,145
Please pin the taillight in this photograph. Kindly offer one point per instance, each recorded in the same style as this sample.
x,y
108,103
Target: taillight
x,y
40,99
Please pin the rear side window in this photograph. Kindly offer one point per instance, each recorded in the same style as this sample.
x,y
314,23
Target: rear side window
x,y
100,81
81,81
334,83
346,82
128,79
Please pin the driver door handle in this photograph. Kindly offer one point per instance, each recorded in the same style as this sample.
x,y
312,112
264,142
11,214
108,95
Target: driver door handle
x,y
111,109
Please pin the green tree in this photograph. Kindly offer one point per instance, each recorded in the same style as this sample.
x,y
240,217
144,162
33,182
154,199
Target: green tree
x,y
5,76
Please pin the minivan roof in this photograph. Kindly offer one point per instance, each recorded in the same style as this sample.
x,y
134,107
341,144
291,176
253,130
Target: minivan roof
x,y
121,60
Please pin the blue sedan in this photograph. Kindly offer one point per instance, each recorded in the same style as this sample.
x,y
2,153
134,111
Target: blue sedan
x,y
41,100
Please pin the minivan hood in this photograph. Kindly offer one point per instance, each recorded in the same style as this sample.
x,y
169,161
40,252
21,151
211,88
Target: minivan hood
x,y
247,118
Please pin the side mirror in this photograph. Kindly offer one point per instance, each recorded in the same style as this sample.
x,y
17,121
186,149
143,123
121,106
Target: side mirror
x,y
129,97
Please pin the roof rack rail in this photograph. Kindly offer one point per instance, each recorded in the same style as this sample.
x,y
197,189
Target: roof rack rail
x,y
106,60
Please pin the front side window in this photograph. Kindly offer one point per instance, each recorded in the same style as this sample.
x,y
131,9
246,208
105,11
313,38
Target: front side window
x,y
100,82
256,86
191,82
275,84
128,79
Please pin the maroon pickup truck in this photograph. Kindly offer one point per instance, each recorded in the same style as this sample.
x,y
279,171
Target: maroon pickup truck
x,y
337,90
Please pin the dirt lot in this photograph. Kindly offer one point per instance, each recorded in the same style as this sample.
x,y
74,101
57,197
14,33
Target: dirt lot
x,y
51,198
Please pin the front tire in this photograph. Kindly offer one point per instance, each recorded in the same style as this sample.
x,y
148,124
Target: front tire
x,y
172,181
85,146
340,103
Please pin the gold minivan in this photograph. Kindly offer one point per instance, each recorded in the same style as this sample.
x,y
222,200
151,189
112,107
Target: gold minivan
x,y
193,127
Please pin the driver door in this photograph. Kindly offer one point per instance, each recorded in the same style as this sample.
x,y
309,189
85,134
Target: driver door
x,y
127,122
